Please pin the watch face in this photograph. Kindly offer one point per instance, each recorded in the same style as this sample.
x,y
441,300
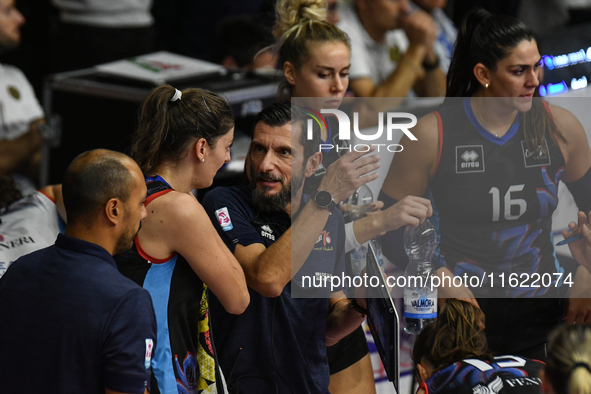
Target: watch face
x,y
323,198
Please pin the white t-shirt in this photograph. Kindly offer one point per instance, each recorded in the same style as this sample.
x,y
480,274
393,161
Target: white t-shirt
x,y
369,58
30,224
379,60
18,104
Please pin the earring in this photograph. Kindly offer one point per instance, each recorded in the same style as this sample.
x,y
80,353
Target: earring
x,y
486,85
203,159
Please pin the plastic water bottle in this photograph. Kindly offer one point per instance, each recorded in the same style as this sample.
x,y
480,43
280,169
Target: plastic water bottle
x,y
420,301
358,259
357,204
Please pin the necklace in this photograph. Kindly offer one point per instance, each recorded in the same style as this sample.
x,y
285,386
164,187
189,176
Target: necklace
x,y
479,118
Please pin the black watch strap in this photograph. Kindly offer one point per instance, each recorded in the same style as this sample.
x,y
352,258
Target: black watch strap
x,y
324,200
357,308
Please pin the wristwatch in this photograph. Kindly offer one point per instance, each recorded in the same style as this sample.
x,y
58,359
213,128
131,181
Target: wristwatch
x,y
324,200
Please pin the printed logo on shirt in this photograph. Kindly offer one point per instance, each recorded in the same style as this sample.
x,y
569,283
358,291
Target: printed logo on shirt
x,y
14,92
223,218
322,277
3,267
492,388
469,158
149,349
326,241
15,243
536,157
267,232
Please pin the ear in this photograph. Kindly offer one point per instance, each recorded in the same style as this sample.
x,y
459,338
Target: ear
x,y
114,210
200,148
312,164
229,62
482,74
423,373
290,73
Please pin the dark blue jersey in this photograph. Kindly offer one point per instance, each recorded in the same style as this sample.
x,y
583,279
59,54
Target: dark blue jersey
x,y
503,375
277,344
495,198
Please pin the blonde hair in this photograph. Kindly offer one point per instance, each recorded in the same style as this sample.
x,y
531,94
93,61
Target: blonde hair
x,y
290,13
568,367
300,22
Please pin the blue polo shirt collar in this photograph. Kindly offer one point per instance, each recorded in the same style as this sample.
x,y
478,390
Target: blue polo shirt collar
x,y
85,247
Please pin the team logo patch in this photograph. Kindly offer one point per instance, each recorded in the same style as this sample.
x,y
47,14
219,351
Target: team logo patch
x,y
14,92
469,158
223,218
149,350
536,157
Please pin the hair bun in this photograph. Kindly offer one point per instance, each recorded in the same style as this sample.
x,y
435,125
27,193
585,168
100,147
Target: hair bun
x,y
294,12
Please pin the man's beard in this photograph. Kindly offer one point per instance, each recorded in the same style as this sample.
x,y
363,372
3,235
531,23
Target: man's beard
x,y
125,241
279,201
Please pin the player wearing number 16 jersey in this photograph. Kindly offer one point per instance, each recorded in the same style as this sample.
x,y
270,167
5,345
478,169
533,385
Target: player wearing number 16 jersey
x,y
495,197
492,158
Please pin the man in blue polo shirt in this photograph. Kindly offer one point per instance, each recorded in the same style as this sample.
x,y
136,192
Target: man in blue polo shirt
x,y
70,322
279,236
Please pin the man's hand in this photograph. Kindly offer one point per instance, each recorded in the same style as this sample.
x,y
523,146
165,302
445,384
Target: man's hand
x,y
410,210
581,249
578,306
346,175
420,29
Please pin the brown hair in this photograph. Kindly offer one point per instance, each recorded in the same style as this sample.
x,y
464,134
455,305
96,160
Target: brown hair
x,y
569,360
167,127
456,335
300,22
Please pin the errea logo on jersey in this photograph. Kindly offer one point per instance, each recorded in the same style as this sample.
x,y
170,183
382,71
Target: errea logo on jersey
x,y
223,218
267,232
469,158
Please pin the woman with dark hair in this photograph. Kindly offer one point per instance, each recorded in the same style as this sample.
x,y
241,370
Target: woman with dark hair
x,y
568,367
182,140
451,356
492,158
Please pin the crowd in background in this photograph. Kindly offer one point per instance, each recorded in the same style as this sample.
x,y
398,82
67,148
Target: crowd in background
x,y
216,279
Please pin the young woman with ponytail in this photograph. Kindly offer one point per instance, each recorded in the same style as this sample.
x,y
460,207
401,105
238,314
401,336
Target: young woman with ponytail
x,y
182,140
568,367
316,57
492,157
451,356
